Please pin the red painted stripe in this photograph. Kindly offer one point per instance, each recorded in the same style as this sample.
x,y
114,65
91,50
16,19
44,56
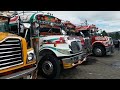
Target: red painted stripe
x,y
13,19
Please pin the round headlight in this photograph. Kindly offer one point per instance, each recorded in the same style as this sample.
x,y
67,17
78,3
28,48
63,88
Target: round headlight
x,y
30,56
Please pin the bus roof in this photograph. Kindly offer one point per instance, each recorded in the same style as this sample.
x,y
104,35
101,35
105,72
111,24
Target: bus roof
x,y
69,24
31,17
80,28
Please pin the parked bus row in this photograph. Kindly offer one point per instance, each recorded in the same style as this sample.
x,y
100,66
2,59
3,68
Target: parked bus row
x,y
35,44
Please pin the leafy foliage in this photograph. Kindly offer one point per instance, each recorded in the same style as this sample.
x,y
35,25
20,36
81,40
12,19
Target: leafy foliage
x,y
115,35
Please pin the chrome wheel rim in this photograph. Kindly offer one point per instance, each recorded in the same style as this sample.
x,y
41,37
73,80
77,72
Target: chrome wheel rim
x,y
47,67
98,51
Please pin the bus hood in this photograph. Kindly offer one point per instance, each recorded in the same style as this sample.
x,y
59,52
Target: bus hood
x,y
3,35
73,43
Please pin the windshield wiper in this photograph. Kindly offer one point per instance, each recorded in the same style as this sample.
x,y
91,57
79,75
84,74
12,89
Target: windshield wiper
x,y
49,30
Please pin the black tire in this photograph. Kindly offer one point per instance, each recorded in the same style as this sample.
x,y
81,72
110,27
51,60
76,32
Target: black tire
x,y
102,51
45,63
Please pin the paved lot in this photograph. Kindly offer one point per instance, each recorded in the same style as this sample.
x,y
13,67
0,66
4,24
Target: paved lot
x,y
107,67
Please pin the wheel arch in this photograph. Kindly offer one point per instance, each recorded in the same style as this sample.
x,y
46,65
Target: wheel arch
x,y
49,51
44,53
98,44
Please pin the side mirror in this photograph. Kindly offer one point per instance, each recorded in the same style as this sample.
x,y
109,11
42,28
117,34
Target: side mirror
x,y
22,29
26,25
36,25
52,24
63,32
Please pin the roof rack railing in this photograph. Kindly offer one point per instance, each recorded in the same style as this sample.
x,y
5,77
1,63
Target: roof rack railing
x,y
26,12
8,14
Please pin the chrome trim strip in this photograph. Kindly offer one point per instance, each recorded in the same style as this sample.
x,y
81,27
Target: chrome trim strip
x,y
9,59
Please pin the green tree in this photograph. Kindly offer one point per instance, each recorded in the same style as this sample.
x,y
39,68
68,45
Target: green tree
x,y
104,33
112,35
117,35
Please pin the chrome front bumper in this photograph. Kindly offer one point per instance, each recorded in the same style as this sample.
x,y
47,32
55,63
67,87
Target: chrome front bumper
x,y
109,50
20,74
71,61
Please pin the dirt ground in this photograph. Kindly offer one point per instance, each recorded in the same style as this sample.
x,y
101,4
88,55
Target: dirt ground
x,y
107,67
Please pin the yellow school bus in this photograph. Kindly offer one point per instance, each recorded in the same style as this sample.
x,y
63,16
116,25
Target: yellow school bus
x,y
16,59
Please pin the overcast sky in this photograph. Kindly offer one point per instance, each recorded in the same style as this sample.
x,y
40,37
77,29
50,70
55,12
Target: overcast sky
x,y
105,20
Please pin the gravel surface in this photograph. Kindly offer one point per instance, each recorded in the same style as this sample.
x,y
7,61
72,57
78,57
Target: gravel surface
x,y
107,67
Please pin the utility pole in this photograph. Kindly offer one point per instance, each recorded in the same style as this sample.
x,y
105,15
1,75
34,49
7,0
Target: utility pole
x,y
86,22
19,25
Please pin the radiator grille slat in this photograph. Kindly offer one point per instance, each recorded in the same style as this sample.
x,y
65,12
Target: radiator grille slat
x,y
75,47
10,53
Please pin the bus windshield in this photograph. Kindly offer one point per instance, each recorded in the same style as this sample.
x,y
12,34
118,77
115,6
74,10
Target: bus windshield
x,y
98,33
79,34
86,33
50,31
3,24
69,31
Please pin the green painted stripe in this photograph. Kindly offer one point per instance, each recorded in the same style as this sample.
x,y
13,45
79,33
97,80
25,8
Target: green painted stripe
x,y
56,49
49,47
53,39
13,24
32,18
